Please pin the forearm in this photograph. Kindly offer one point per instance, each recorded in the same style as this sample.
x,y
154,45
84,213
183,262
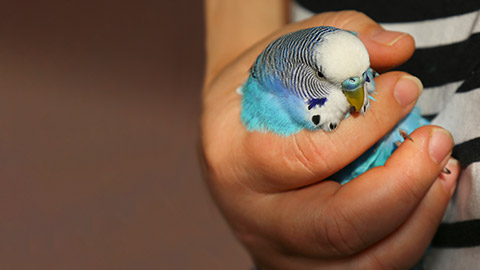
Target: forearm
x,y
233,26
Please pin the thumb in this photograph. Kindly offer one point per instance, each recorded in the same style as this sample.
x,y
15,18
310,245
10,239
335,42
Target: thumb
x,y
387,49
343,220
389,194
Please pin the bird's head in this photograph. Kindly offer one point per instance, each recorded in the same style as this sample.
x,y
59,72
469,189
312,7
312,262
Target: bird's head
x,y
342,59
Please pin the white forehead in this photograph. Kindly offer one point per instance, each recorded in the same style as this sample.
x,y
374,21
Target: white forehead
x,y
341,55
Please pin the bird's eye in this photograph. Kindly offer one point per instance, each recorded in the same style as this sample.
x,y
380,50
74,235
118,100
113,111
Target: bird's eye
x,y
320,74
351,83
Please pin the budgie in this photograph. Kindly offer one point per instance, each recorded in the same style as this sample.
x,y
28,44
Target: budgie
x,y
313,79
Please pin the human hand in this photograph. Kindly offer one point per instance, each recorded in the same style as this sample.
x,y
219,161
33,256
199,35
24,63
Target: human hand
x,y
274,192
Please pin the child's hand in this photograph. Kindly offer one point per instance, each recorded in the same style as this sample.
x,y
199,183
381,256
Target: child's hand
x,y
273,190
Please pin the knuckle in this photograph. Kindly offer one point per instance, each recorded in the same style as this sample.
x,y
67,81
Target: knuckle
x,y
354,13
382,121
317,154
210,154
341,236
375,262
410,193
212,164
302,155
219,165
297,154
351,17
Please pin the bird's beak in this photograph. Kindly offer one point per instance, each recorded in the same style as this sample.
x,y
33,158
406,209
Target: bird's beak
x,y
353,88
355,97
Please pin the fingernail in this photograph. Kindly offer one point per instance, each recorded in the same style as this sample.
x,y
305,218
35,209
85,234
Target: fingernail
x,y
440,145
387,37
449,182
407,90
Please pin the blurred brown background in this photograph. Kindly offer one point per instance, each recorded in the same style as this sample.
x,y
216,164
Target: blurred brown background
x,y
98,111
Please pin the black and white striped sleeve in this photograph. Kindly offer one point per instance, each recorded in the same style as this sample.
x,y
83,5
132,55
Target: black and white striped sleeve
x,y
447,60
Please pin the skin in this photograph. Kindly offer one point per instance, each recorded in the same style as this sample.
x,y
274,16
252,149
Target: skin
x,y
274,191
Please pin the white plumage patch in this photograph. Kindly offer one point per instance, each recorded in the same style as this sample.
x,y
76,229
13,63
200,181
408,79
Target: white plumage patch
x,y
332,112
342,55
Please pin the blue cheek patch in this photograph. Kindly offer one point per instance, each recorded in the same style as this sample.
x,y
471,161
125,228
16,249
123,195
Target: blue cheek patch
x,y
316,102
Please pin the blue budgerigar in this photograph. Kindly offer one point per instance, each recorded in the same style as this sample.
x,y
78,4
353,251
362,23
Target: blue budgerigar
x,y
309,79
312,79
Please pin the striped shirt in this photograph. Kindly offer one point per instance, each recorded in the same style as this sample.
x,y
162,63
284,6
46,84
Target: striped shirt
x,y
447,60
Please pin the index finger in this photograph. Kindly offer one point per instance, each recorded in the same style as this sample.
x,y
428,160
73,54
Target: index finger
x,y
308,157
